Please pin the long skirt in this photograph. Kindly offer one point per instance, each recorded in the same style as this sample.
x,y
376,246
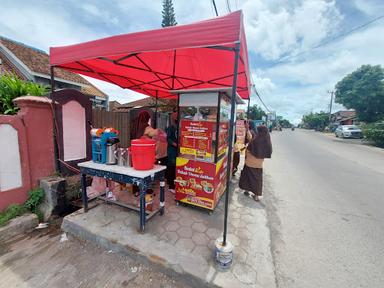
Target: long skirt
x,y
251,179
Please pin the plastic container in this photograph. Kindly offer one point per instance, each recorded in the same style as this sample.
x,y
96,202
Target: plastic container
x,y
223,254
143,152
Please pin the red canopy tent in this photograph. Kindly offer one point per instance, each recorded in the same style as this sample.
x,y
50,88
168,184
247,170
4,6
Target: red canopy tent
x,y
198,55
207,54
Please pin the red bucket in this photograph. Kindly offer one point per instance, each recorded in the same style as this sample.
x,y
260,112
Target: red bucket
x,y
143,153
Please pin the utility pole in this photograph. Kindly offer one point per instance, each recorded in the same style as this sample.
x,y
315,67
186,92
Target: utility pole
x,y
330,106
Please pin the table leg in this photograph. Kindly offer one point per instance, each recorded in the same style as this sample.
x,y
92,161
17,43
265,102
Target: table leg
x,y
84,192
143,190
162,200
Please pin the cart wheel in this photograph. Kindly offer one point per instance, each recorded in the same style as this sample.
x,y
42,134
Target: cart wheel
x,y
177,203
210,213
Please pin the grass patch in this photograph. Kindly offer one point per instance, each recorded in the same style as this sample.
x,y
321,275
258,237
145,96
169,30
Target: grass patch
x,y
12,211
35,198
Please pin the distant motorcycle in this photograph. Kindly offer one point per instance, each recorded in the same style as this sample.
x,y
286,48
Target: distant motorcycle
x,y
293,128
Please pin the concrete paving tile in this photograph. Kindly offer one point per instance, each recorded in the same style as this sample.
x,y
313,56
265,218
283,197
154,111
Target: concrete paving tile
x,y
185,232
242,224
204,251
248,219
198,217
185,222
245,273
169,237
172,215
240,255
172,226
243,233
234,239
199,227
185,244
200,238
213,233
235,215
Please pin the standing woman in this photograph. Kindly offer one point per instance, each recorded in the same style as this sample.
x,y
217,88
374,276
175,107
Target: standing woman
x,y
259,148
172,139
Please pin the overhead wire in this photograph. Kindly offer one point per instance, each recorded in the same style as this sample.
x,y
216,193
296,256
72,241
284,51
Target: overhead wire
x,y
252,86
228,6
327,41
214,6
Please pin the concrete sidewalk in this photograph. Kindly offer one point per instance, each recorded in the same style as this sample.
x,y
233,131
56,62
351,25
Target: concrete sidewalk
x,y
181,243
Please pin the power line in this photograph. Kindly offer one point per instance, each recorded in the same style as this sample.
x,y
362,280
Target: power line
x,y
214,5
327,41
258,96
228,6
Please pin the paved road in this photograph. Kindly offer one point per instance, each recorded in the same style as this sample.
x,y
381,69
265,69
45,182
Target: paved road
x,y
325,199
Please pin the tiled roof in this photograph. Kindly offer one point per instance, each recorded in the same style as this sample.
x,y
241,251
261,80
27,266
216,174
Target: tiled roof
x,y
147,102
92,90
38,62
7,67
345,114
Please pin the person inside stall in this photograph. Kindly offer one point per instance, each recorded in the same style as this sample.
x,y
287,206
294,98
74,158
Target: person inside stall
x,y
141,126
141,129
251,178
172,152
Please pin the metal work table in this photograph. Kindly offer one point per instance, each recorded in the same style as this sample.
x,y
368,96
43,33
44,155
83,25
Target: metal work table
x,y
128,175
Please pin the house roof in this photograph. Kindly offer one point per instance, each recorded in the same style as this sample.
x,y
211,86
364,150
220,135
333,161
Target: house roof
x,y
145,102
345,114
37,61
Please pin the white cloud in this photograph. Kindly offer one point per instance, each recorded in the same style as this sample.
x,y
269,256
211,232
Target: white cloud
x,y
276,30
369,7
116,93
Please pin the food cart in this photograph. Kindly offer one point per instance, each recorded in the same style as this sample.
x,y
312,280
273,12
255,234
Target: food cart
x,y
204,119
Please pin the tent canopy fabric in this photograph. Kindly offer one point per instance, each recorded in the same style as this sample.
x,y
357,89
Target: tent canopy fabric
x,y
194,56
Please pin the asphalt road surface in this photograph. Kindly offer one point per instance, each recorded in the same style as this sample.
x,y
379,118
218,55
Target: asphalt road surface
x,y
325,198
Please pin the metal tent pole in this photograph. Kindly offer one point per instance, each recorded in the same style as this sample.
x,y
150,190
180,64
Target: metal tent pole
x,y
157,97
249,104
230,146
55,143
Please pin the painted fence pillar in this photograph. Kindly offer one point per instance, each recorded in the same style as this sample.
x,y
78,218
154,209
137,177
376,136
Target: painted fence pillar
x,y
36,113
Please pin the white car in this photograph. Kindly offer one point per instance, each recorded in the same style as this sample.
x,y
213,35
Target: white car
x,y
348,131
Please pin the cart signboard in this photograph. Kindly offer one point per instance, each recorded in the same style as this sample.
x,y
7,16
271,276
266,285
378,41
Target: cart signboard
x,y
200,183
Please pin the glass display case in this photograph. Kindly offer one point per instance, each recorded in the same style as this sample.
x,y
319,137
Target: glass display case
x,y
203,146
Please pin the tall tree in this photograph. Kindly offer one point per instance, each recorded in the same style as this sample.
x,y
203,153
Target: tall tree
x,y
168,14
316,121
363,90
256,113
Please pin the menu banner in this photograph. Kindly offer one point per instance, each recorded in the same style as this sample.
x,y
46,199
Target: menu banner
x,y
196,138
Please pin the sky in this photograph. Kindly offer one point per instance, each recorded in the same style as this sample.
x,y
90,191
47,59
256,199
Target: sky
x,y
296,49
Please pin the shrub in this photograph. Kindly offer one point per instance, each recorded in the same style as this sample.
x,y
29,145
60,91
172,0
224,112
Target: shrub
x,y
374,133
35,198
12,87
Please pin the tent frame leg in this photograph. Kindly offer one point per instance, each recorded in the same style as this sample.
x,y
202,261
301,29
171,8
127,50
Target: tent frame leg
x,y
231,138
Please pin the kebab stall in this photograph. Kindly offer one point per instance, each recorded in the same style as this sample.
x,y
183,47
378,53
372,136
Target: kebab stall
x,y
209,54
204,119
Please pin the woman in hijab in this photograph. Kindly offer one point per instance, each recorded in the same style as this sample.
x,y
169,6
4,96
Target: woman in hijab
x,y
259,148
141,123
